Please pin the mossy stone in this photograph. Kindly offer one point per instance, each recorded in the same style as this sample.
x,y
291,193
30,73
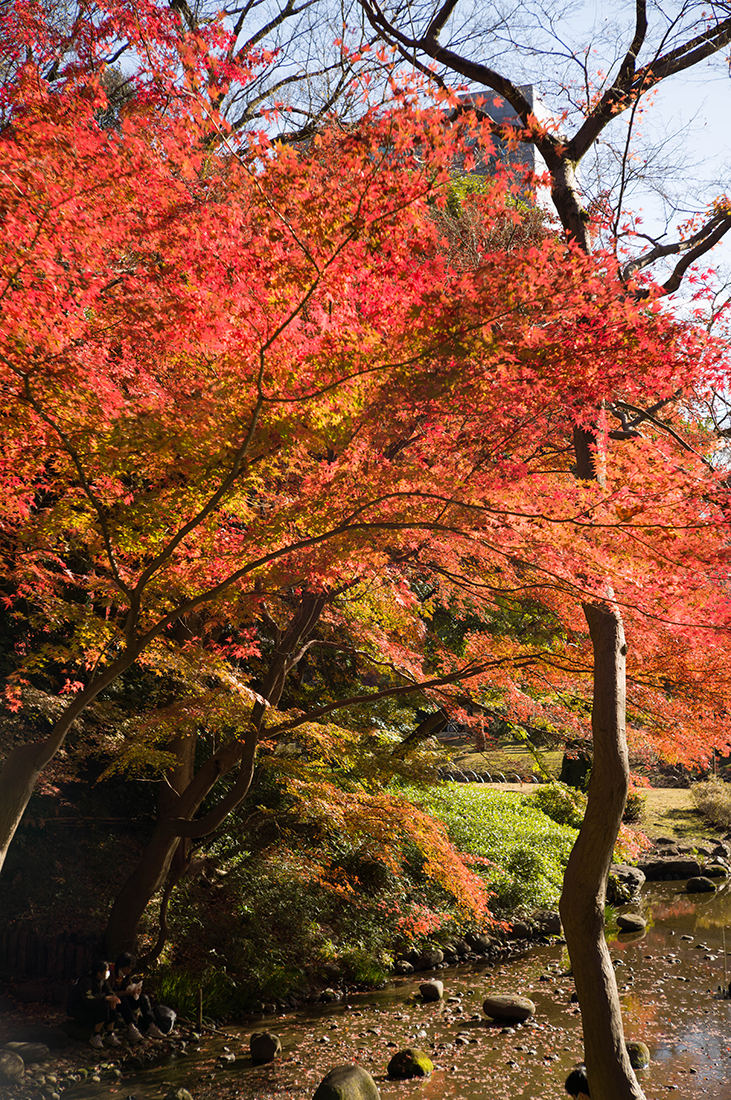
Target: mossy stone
x,y
410,1063
639,1054
347,1083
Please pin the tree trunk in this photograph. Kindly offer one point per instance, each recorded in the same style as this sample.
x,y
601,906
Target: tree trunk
x,y
166,853
185,793
154,866
17,783
584,893
23,765
170,790
147,878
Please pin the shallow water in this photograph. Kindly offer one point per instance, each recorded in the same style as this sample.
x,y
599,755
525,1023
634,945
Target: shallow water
x,y
668,980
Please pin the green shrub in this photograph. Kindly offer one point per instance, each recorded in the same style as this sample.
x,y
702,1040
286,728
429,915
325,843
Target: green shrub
x,y
634,809
563,804
712,798
179,989
518,849
361,967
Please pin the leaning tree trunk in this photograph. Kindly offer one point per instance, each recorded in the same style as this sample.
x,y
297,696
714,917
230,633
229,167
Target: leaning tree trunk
x,y
147,878
176,821
22,767
584,893
180,822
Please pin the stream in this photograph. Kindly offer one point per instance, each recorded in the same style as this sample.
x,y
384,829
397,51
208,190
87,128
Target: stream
x,y
668,980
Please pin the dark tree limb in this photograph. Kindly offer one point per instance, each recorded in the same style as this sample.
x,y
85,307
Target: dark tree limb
x,y
702,241
431,725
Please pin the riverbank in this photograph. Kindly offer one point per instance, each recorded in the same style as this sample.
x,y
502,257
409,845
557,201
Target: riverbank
x,y
74,1068
667,981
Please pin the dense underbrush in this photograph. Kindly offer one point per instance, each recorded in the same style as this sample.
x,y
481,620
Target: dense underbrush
x,y
335,893
313,882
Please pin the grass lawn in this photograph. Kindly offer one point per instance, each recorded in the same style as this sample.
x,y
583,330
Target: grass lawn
x,y
669,811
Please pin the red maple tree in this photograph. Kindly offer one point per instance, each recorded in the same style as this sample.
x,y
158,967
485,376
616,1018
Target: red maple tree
x,y
248,384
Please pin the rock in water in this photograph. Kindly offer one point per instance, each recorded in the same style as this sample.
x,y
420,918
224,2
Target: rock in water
x,y
639,1054
264,1046
509,1007
347,1083
699,885
576,1083
410,1063
432,991
624,883
12,1067
631,922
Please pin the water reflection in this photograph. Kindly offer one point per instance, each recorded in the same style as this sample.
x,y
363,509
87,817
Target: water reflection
x,y
668,981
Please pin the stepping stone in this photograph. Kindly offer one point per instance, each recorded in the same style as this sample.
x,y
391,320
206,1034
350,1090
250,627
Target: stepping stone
x,y
264,1046
639,1054
509,1007
347,1083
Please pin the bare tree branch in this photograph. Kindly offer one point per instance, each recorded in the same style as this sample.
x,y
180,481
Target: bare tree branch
x,y
691,249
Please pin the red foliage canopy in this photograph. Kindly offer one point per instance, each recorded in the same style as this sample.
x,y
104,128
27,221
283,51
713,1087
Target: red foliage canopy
x,y
234,373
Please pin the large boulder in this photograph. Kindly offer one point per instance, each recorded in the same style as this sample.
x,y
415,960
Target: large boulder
x,y
547,922
427,960
347,1083
410,1063
509,1007
264,1046
12,1067
667,870
431,991
30,1052
478,942
624,883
